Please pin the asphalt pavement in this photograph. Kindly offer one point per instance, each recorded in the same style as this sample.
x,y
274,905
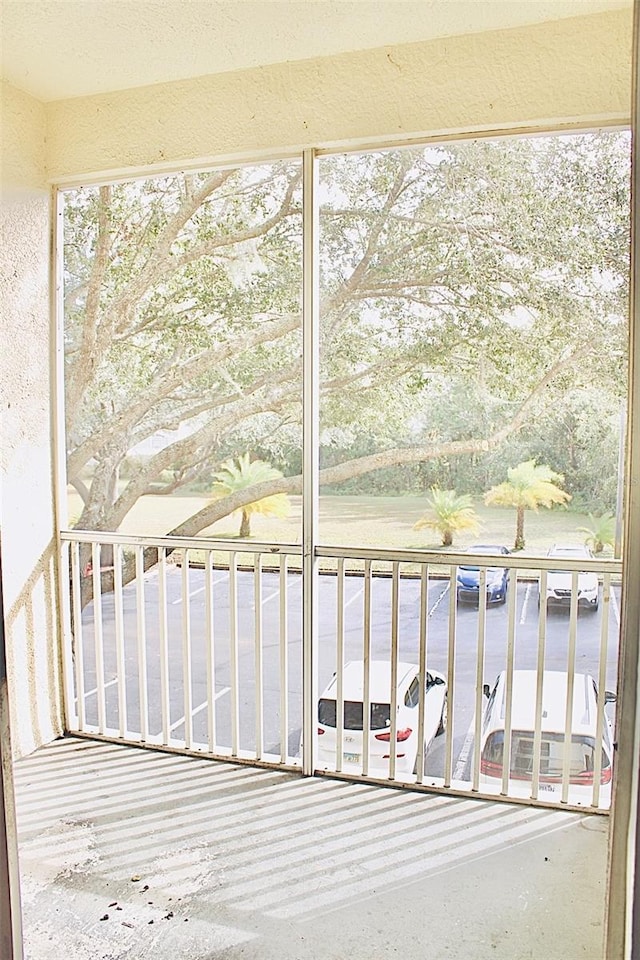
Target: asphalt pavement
x,y
278,684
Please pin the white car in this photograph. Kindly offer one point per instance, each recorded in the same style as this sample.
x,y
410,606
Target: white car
x,y
379,745
559,582
582,746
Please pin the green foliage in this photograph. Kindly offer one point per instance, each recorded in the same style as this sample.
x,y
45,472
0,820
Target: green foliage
x,y
600,532
453,280
243,473
582,433
449,513
529,486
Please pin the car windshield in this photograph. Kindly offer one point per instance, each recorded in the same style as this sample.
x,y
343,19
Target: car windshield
x,y
353,714
489,551
566,555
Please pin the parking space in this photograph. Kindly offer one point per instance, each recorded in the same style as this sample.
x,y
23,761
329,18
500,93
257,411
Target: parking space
x,y
269,672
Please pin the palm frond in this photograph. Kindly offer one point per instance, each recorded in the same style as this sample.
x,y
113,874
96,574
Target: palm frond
x,y
449,513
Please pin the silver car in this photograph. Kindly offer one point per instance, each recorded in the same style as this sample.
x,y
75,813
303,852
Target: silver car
x,y
559,582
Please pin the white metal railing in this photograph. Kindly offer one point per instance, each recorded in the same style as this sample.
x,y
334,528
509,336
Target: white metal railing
x,y
197,645
156,639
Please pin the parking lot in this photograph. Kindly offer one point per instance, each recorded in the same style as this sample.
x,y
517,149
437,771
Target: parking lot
x,y
278,687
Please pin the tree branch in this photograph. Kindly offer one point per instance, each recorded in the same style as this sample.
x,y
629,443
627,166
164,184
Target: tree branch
x,y
88,354
386,458
160,389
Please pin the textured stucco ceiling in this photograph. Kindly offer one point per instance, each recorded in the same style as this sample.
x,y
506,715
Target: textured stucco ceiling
x,y
56,49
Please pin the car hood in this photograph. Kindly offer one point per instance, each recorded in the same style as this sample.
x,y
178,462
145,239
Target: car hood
x,y
471,578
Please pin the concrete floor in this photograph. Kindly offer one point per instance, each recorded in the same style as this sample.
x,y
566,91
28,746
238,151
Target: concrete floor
x,y
129,854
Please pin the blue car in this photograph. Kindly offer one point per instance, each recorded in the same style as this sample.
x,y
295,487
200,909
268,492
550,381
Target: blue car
x,y
468,578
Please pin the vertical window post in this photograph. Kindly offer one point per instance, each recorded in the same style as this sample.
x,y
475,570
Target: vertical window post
x,y
623,893
311,371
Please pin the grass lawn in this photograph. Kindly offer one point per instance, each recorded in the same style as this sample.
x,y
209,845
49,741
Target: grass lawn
x,y
358,521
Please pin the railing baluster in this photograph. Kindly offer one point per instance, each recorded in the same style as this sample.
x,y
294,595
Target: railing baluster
x,y
537,731
97,633
211,670
142,646
187,693
118,601
165,706
366,666
284,661
480,647
571,679
602,684
511,643
259,686
395,612
422,661
339,664
78,639
451,662
70,707
233,649
110,647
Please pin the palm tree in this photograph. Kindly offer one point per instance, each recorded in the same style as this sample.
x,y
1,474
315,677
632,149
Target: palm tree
x,y
600,532
239,474
449,513
529,486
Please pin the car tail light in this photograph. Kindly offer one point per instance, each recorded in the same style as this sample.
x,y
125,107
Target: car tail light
x,y
586,777
400,735
320,730
490,769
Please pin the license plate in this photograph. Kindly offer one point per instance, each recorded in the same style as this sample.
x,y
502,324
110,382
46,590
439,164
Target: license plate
x,y
351,757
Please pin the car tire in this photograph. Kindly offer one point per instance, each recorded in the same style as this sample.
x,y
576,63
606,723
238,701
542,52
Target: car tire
x,y
442,726
424,764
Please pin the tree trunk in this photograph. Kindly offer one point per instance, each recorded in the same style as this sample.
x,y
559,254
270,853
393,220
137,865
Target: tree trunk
x,y
245,526
447,538
519,544
218,509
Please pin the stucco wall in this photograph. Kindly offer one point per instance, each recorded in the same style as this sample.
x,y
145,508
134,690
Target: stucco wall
x,y
555,74
26,507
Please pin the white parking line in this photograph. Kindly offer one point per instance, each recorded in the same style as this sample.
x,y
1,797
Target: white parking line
x,y
202,589
276,593
463,757
441,597
614,604
354,597
527,594
195,710
90,693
